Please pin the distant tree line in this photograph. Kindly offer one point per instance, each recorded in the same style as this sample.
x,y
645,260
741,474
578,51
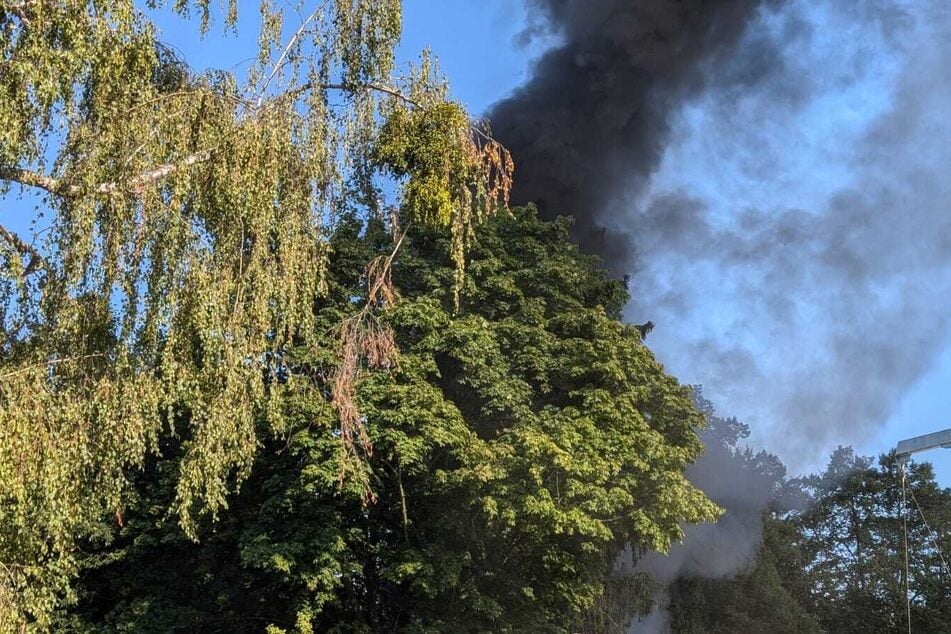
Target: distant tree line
x,y
832,557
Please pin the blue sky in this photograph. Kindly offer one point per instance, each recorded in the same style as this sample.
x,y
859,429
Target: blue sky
x,y
869,93
738,152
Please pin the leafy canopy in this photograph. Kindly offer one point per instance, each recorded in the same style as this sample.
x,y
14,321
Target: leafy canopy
x,y
525,439
182,245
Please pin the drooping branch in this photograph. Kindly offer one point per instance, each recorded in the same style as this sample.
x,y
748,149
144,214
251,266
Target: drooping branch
x,y
293,93
287,49
362,337
58,187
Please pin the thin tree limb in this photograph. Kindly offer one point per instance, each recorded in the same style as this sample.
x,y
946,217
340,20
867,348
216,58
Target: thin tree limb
x,y
30,179
36,259
383,88
59,188
287,49
155,174
50,363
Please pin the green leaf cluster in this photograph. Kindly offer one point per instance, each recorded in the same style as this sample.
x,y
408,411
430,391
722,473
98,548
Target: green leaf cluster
x,y
180,246
423,145
523,442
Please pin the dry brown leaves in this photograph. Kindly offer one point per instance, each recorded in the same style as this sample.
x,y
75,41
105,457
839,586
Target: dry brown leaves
x,y
364,341
496,166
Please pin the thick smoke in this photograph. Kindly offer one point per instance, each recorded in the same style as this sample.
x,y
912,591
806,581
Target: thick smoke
x,y
776,179
594,119
684,136
811,313
743,483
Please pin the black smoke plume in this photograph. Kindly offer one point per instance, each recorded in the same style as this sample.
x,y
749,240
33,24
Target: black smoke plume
x,y
807,317
595,117
806,301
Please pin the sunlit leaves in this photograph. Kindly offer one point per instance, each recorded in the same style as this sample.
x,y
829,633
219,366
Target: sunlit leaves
x,y
525,439
184,243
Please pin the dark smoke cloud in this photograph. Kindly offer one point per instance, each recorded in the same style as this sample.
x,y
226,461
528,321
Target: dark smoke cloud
x,y
744,484
595,117
807,315
795,255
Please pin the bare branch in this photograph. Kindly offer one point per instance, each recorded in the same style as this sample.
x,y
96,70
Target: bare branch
x,y
155,174
350,88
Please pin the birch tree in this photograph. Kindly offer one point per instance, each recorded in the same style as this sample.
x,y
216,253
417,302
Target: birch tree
x,y
181,245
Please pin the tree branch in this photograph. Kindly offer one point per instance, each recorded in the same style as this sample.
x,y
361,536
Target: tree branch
x,y
29,178
36,259
50,363
155,174
59,188
352,88
287,49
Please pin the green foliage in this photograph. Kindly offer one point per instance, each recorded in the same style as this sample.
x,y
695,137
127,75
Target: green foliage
x,y
524,440
851,530
756,601
627,595
424,143
182,243
832,558
454,173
